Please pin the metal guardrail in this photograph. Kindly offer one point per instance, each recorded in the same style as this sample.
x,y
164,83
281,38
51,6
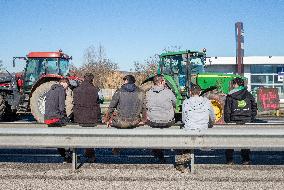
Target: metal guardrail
x,y
32,135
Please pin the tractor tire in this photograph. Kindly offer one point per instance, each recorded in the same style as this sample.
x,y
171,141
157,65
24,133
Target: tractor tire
x,y
218,102
2,108
37,100
6,114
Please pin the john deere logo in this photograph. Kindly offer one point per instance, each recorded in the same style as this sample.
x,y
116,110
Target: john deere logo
x,y
242,104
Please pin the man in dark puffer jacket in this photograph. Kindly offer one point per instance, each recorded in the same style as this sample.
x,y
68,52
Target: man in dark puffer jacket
x,y
240,107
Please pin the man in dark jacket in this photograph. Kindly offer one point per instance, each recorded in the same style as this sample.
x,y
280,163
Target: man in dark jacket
x,y
127,105
86,107
240,107
55,103
55,115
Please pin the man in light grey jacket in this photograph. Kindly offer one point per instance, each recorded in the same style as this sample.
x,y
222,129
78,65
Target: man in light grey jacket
x,y
160,104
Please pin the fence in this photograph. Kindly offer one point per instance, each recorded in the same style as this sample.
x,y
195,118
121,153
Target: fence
x,y
255,136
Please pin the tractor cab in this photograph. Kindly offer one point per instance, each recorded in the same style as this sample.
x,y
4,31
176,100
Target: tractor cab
x,y
44,64
182,66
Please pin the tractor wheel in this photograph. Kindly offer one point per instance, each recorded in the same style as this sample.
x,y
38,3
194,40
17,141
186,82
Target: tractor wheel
x,y
6,114
2,108
218,103
37,100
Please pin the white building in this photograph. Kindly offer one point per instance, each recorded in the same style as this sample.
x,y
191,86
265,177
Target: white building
x,y
261,71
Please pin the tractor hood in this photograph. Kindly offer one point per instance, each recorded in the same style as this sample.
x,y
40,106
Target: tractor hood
x,y
219,81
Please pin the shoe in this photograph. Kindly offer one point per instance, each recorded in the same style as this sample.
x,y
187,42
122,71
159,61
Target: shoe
x,y
91,159
162,160
116,151
230,162
181,168
67,159
246,162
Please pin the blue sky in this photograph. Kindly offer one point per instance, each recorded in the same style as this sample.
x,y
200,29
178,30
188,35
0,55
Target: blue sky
x,y
136,29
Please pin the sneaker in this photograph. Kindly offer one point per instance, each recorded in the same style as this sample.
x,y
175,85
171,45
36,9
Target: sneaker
x,y
116,151
230,162
181,168
246,162
67,159
91,159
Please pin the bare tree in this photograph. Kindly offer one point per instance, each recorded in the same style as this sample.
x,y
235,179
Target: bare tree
x,y
150,64
96,62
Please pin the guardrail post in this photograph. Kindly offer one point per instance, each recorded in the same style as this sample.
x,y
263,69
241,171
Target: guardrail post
x,y
192,161
74,159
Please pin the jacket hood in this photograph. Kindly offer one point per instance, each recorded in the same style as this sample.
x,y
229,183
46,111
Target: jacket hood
x,y
239,95
88,80
197,103
157,89
56,86
128,87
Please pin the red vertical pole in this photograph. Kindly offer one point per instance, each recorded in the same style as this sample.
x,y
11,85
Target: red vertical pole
x,y
239,47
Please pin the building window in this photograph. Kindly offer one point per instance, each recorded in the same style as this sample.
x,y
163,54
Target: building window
x,y
267,76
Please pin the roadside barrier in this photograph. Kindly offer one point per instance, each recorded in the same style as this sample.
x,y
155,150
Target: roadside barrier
x,y
32,135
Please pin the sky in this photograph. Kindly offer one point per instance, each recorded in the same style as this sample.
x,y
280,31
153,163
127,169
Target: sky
x,y
133,30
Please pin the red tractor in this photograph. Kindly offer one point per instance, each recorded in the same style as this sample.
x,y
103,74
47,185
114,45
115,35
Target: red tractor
x,y
25,92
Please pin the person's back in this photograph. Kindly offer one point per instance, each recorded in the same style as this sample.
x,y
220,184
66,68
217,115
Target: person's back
x,y
86,106
55,114
55,103
197,112
126,106
160,104
240,107
129,99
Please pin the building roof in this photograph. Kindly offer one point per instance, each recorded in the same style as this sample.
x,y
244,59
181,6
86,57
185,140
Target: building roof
x,y
249,60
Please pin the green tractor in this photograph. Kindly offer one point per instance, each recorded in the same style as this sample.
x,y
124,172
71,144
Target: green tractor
x,y
182,69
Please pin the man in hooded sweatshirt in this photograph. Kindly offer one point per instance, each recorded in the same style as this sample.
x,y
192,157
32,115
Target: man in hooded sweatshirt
x,y
197,115
127,106
197,111
240,107
55,113
160,104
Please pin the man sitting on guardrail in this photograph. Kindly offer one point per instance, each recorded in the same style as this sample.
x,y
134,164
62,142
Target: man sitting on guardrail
x,y
55,113
127,105
197,111
87,108
160,103
197,114
240,107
